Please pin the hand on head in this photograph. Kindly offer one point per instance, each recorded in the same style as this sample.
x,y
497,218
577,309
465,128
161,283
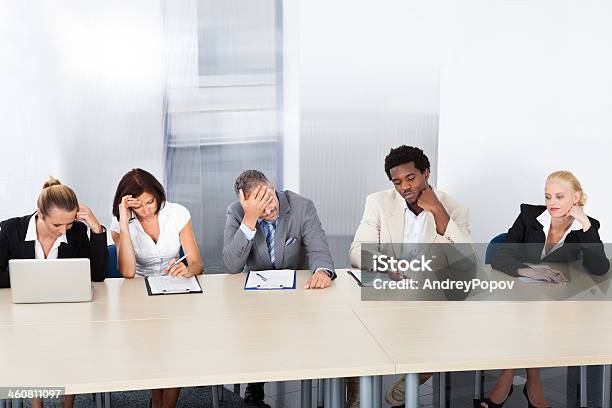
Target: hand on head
x,y
84,214
428,200
259,202
577,213
127,203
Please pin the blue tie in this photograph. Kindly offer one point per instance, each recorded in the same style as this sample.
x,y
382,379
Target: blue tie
x,y
270,231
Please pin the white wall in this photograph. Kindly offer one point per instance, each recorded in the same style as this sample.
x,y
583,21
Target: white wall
x,y
81,98
360,77
291,95
525,90
368,81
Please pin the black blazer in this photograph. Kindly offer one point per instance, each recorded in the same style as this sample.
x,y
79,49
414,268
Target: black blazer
x,y
512,254
13,246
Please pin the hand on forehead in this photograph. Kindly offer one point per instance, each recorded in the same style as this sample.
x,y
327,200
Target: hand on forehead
x,y
261,189
144,198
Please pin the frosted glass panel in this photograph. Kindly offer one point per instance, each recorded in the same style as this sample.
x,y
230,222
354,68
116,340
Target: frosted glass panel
x,y
223,111
369,81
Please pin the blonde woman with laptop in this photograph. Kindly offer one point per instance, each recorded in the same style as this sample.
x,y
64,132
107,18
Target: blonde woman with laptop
x,y
57,230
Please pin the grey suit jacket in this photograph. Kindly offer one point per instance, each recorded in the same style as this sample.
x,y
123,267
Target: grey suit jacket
x,y
300,241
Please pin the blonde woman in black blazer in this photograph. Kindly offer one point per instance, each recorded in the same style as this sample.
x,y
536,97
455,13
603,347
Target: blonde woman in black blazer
x,y
58,229
559,231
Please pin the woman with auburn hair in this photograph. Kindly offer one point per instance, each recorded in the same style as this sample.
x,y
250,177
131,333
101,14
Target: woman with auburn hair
x,y
149,233
58,229
559,231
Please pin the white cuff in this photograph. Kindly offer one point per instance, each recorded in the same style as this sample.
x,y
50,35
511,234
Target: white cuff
x,y
248,233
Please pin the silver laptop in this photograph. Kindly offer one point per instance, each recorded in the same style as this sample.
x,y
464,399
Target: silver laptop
x,y
50,280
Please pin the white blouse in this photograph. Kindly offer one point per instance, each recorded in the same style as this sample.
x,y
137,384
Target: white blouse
x,y
39,253
545,220
151,257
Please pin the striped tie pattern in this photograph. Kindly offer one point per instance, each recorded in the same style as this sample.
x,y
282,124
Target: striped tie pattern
x,y
270,231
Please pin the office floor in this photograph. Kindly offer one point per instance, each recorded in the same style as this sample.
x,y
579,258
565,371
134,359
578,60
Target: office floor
x,y
556,382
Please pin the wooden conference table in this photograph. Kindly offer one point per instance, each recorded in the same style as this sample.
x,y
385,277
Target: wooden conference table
x,y
126,340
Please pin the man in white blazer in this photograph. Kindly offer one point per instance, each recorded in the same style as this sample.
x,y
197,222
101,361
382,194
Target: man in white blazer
x,y
410,213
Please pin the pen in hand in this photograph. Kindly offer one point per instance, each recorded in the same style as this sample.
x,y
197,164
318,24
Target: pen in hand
x,y
175,263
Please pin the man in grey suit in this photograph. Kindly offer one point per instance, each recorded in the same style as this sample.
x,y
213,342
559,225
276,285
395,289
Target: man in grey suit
x,y
267,229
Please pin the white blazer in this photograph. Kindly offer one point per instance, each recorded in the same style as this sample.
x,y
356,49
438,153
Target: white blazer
x,y
383,223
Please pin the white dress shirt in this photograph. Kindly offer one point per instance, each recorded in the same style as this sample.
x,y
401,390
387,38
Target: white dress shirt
x,y
151,257
545,220
39,253
415,232
414,226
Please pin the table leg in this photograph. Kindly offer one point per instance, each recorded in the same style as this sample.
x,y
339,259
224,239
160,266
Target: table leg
x,y
366,385
306,387
477,388
214,389
478,392
412,390
605,387
320,392
377,392
327,397
583,386
336,392
442,389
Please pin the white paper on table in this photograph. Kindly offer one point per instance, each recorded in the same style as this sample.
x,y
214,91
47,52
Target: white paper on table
x,y
271,279
170,284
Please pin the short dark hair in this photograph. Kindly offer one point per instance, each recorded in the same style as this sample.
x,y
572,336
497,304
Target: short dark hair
x,y
134,183
249,179
406,154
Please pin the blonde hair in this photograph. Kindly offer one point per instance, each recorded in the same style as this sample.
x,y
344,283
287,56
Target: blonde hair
x,y
569,178
56,195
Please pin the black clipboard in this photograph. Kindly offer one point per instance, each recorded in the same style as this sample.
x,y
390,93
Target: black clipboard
x,y
172,293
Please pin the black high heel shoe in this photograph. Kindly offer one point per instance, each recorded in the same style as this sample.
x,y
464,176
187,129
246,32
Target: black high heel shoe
x,y
494,405
529,404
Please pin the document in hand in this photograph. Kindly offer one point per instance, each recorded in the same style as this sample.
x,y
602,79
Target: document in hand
x,y
169,285
272,279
